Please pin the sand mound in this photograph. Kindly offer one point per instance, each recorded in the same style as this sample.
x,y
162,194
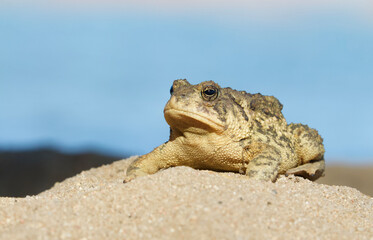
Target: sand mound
x,y
183,203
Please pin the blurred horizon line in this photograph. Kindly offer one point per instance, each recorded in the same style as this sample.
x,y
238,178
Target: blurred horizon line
x,y
125,153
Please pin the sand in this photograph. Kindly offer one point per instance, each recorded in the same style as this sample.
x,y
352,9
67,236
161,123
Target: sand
x,y
183,203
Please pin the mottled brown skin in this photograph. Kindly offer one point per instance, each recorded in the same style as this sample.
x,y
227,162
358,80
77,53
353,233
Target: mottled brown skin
x,y
223,129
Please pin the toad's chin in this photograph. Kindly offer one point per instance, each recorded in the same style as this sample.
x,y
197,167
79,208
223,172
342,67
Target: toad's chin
x,y
189,121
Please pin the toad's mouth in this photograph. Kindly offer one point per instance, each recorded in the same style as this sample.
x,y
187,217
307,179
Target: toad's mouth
x,y
185,120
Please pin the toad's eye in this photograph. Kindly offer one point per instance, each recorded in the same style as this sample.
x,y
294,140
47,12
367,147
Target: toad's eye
x,y
210,93
172,90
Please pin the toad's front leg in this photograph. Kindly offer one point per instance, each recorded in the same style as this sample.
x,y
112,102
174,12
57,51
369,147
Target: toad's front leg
x,y
161,157
265,165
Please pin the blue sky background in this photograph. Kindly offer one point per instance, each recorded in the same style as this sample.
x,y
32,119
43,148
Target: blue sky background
x,y
82,78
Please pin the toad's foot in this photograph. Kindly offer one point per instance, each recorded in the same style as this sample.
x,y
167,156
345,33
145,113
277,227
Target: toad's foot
x,y
160,158
311,171
132,173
